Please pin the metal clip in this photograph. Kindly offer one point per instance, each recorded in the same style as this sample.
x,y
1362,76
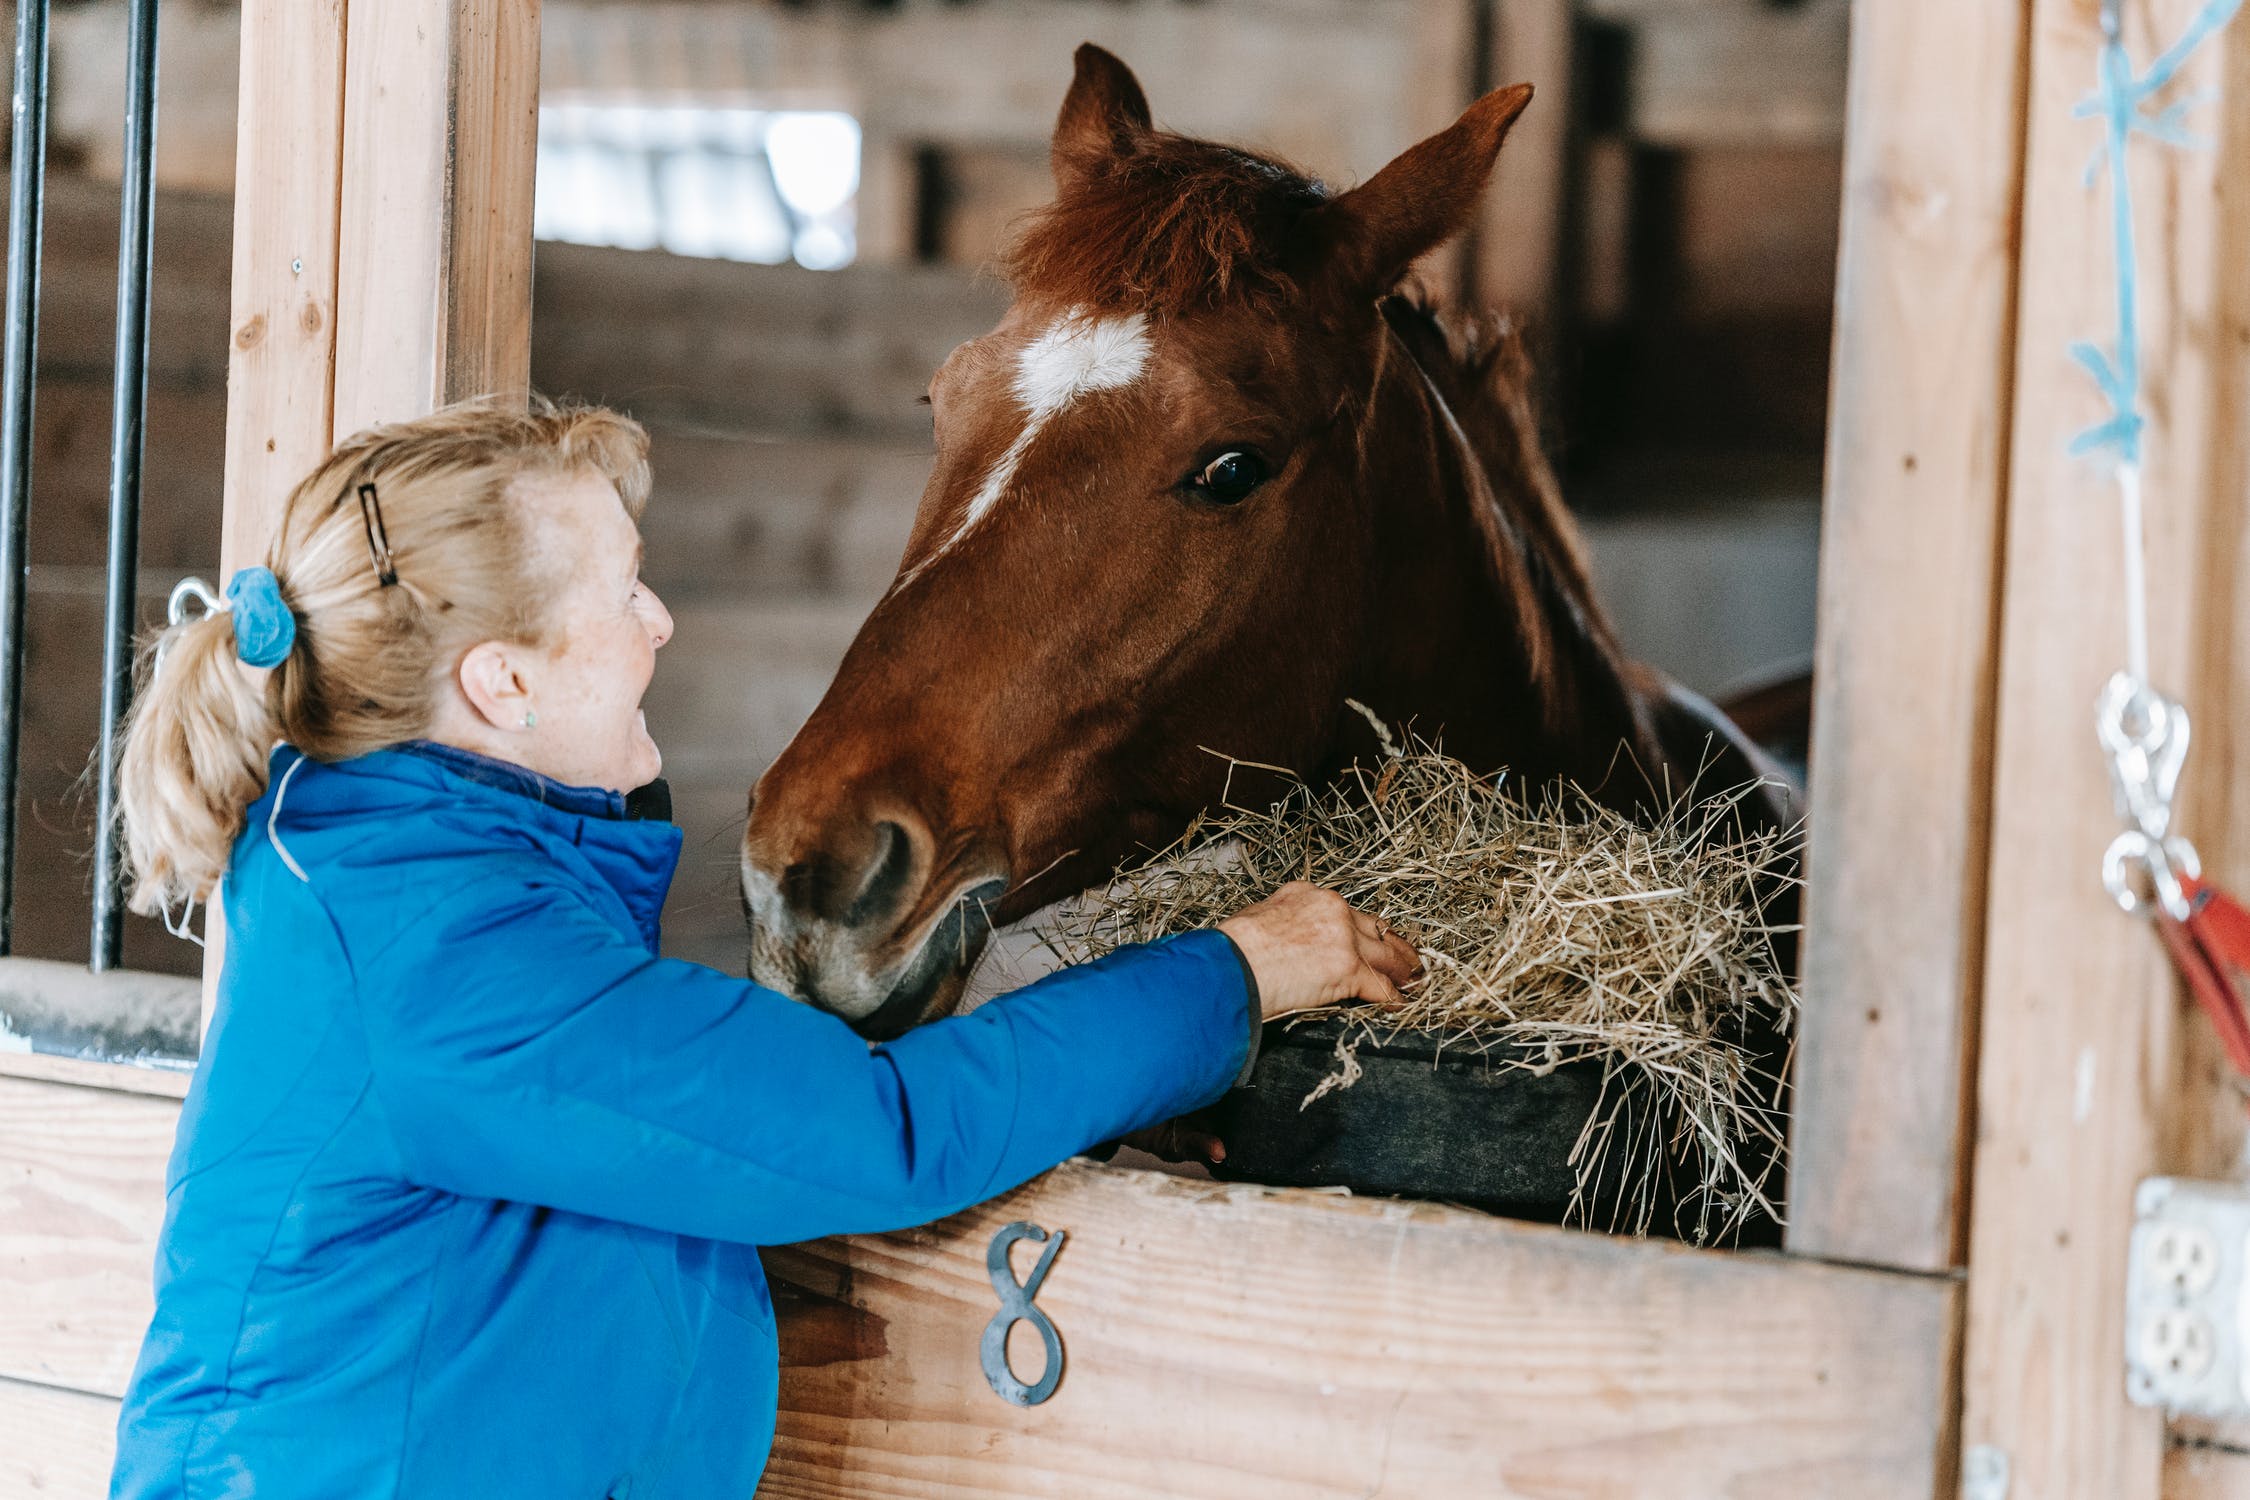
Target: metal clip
x,y
2145,736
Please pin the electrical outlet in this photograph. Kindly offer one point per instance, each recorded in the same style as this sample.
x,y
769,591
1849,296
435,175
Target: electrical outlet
x,y
2184,1257
2185,1302
2179,1344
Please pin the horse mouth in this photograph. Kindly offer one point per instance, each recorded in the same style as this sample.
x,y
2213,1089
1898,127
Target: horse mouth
x,y
933,976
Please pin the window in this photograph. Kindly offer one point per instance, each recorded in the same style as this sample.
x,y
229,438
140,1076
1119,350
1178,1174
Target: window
x,y
723,182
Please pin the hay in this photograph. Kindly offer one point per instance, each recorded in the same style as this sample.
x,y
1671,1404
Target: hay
x,y
1550,934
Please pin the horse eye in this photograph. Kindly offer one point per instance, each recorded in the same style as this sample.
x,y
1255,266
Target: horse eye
x,y
1230,477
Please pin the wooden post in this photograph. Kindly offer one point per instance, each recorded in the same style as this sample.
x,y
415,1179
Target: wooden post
x,y
382,218
382,236
1515,253
288,167
2081,1090
441,124
1443,57
1917,466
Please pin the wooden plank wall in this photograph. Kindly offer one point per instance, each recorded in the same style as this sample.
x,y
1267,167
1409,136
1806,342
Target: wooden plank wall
x,y
81,1200
2086,1080
1396,1349
1226,1341
1917,469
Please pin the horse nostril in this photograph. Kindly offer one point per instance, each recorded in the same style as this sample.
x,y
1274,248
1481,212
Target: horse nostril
x,y
887,875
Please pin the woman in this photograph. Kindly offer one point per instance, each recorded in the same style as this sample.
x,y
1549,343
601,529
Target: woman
x,y
466,1189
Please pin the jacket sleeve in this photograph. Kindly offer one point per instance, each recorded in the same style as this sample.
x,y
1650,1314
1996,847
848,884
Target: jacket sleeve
x,y
539,1055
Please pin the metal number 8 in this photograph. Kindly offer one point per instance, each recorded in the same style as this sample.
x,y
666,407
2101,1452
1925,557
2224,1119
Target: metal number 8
x,y
1016,1307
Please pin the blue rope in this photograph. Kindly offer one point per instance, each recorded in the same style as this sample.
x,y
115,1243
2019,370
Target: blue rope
x,y
2121,101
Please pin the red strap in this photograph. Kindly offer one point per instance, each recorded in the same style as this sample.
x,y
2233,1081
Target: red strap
x,y
2212,951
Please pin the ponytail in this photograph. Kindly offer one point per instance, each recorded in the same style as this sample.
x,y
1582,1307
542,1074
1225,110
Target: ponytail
x,y
402,550
194,760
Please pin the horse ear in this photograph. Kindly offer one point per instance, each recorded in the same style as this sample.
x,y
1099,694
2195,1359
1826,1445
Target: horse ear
x,y
1421,200
1104,112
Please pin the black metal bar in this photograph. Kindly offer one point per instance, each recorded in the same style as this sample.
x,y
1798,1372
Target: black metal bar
x,y
27,176
129,399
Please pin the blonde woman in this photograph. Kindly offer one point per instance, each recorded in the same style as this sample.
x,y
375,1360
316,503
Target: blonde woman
x,y
466,1190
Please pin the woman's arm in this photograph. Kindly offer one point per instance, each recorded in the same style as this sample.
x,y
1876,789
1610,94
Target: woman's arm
x,y
539,1056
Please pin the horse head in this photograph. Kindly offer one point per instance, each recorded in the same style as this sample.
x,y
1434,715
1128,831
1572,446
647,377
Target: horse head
x,y
1154,529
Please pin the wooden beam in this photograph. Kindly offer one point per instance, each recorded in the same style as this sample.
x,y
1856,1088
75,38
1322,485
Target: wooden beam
x,y
1743,74
55,1444
434,274
123,1078
1917,470
846,351
494,108
81,1200
1334,1346
282,359
994,73
1444,65
1516,251
2082,1087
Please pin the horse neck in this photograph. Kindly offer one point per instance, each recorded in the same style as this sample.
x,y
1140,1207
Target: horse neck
x,y
1486,628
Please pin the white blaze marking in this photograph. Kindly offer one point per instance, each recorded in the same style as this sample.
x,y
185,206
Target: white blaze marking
x,y
1077,355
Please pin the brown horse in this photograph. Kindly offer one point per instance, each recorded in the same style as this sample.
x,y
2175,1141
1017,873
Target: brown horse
x,y
1208,479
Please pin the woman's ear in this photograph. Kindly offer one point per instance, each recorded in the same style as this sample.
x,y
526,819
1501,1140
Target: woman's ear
x,y
492,682
1370,235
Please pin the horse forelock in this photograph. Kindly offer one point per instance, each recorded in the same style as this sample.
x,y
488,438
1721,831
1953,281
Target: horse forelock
x,y
1164,226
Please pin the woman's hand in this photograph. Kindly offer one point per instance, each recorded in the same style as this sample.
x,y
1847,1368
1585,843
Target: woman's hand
x,y
1310,948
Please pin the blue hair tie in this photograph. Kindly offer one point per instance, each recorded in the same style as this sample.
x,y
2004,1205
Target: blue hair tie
x,y
264,627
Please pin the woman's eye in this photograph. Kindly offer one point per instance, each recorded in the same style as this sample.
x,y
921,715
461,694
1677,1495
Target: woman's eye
x,y
1230,477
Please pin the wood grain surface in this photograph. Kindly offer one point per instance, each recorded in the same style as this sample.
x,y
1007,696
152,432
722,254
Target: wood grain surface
x,y
81,1200
1902,724
54,1444
1223,1341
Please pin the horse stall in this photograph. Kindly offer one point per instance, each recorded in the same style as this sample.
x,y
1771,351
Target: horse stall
x,y
1991,1057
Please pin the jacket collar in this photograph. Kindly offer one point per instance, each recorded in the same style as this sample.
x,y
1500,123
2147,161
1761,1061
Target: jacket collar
x,y
507,776
635,857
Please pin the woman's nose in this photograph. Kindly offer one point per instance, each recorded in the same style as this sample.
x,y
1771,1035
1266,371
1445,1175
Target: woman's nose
x,y
659,619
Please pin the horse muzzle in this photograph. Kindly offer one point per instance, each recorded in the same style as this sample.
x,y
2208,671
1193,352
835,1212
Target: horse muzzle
x,y
866,937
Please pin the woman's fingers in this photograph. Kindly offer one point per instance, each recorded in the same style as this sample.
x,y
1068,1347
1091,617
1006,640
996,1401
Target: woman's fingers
x,y
1308,947
1393,956
1383,950
1372,984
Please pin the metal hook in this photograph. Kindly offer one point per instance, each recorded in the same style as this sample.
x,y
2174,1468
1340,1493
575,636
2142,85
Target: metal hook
x,y
2113,19
2145,736
176,612
175,608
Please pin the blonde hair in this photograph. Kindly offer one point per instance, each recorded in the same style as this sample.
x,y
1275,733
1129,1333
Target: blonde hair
x,y
369,658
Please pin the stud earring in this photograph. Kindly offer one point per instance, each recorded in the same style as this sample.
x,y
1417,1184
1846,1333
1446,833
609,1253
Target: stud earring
x,y
530,719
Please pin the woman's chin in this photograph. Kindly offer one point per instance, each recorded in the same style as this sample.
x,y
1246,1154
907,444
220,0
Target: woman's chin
x,y
648,761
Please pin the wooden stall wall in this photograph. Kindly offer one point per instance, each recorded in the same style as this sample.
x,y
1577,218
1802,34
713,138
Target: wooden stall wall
x,y
2092,1070
1412,1349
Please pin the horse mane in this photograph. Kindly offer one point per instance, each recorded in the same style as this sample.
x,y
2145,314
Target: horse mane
x,y
1165,225
1480,368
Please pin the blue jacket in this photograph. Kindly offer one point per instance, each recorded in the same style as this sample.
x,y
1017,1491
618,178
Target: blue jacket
x,y
465,1192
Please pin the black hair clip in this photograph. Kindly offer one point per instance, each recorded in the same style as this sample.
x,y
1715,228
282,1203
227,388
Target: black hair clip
x,y
378,536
